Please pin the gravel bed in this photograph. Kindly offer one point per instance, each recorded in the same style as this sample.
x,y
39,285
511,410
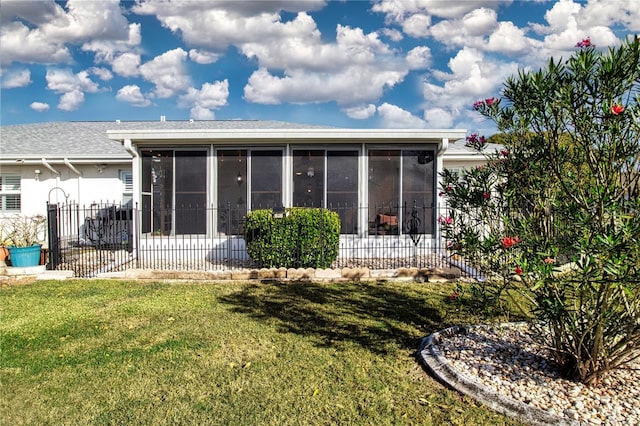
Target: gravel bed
x,y
506,360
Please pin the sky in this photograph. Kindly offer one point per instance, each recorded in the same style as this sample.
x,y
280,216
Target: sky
x,y
355,64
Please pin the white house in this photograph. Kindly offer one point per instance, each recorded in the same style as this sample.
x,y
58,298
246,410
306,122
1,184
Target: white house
x,y
58,162
193,177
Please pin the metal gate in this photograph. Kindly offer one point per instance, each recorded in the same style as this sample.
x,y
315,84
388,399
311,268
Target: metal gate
x,y
90,239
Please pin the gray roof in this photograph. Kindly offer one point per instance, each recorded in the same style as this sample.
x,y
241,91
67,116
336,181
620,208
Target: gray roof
x,y
460,147
89,138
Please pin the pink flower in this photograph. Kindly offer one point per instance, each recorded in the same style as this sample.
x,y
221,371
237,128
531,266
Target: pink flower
x,y
490,101
585,43
486,195
445,220
617,109
518,270
504,152
477,104
508,242
548,260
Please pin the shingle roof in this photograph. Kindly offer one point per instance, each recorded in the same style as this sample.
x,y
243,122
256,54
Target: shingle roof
x,y
89,138
460,147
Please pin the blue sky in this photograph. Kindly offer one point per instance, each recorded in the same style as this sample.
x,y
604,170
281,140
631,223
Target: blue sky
x,y
358,64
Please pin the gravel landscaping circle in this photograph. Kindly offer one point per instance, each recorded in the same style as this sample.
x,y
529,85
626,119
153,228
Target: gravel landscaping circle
x,y
503,367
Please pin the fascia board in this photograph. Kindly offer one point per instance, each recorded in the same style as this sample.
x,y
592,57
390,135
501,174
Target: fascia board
x,y
267,135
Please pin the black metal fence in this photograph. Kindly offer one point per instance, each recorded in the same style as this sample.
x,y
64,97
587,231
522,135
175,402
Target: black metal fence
x,y
100,238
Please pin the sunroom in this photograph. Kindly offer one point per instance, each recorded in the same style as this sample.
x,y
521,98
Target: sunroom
x,y
199,184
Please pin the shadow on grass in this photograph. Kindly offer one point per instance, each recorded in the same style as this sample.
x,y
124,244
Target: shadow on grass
x,y
378,317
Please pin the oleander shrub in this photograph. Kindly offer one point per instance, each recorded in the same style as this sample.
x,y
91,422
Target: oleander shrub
x,y
556,210
304,237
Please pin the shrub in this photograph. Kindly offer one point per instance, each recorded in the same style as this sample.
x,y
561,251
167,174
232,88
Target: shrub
x,y
567,185
304,237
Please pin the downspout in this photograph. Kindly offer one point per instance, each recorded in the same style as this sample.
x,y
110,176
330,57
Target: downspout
x,y
135,173
129,148
77,172
49,166
442,147
135,170
72,167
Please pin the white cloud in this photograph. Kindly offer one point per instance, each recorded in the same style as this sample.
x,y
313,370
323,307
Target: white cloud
x,y
438,118
37,32
479,22
132,95
126,64
63,81
203,56
102,73
399,11
17,78
168,73
20,44
601,13
419,58
394,117
417,25
210,96
123,51
360,112
71,86
510,39
200,113
71,101
218,24
393,34
39,106
296,64
87,19
472,77
354,70
348,86
569,22
468,31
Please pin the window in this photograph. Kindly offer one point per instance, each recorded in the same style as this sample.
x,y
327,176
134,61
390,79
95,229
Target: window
x,y
327,179
10,193
174,192
417,191
126,177
246,179
342,188
266,179
308,178
232,190
401,186
384,191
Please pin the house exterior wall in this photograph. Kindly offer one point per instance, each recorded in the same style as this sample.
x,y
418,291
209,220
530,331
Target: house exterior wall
x,y
39,185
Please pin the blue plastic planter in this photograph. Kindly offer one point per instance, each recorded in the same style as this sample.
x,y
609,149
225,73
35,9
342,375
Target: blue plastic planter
x,y
22,257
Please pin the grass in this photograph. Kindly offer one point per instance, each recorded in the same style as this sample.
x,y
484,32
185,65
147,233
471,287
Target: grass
x,y
114,352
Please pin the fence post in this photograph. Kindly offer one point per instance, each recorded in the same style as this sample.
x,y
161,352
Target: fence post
x,y
53,235
229,239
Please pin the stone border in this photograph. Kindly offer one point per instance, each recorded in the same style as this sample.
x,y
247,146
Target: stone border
x,y
295,274
432,358
433,275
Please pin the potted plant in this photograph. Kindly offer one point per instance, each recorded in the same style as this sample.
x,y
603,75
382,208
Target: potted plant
x,y
23,236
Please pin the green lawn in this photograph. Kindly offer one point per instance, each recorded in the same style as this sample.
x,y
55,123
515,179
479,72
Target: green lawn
x,y
115,352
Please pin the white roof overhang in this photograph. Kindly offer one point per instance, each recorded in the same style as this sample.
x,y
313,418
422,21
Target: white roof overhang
x,y
269,136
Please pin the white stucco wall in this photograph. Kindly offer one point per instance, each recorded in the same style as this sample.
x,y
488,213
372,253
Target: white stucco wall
x,y
90,187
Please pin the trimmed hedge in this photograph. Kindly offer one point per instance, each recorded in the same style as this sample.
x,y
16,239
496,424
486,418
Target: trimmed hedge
x,y
303,238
